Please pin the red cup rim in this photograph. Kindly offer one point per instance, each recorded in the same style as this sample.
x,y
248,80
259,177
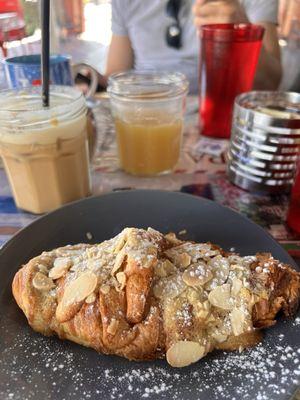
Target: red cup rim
x,y
232,32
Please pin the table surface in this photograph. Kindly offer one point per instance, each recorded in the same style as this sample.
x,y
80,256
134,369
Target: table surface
x,y
201,171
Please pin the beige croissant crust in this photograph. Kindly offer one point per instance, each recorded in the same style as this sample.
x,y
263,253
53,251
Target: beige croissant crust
x,y
144,295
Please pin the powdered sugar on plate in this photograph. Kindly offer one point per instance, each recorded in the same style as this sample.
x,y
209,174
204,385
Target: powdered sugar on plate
x,y
35,367
296,321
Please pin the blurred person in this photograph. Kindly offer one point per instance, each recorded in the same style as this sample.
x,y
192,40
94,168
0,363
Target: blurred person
x,y
162,35
289,11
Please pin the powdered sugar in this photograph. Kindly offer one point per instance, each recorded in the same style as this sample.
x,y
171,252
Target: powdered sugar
x,y
184,316
34,367
296,321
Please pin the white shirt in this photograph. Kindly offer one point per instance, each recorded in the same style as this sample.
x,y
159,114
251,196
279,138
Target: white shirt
x,y
145,22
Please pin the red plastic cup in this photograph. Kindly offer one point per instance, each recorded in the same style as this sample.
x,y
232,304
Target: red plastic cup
x,y
293,217
228,60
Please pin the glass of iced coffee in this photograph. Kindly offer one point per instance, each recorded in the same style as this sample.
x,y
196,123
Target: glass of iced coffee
x,y
148,113
44,150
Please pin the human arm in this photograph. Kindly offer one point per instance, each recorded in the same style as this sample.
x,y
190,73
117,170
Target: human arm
x,y
120,58
120,55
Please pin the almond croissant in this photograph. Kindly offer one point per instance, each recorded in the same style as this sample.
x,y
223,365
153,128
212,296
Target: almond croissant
x,y
143,295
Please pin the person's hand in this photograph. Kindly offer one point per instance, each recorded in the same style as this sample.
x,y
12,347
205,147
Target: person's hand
x,y
218,12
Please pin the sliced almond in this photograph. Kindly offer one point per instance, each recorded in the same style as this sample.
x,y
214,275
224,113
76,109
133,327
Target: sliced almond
x,y
179,256
91,298
159,288
43,269
219,267
132,240
60,267
169,287
237,267
183,260
80,288
221,297
91,252
47,259
236,286
194,295
62,262
237,318
105,289
113,326
118,262
120,244
121,278
42,282
206,305
165,268
171,237
197,275
154,234
147,260
219,337
169,267
184,353
159,271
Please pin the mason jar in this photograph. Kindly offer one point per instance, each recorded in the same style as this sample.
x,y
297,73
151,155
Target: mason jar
x,y
44,150
148,110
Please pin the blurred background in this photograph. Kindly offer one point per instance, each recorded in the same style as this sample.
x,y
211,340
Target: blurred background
x,y
82,28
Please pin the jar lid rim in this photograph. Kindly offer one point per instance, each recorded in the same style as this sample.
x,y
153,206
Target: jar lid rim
x,y
147,85
32,93
72,103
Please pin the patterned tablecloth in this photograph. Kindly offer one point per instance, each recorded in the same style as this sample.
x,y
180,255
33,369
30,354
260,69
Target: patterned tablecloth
x,y
200,171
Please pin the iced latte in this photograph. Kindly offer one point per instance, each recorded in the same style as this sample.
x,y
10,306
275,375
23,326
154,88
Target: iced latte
x,y
44,151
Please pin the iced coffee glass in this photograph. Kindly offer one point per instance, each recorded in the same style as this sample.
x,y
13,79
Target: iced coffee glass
x,y
148,113
44,151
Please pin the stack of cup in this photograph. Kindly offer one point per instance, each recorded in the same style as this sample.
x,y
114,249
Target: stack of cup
x,y
265,141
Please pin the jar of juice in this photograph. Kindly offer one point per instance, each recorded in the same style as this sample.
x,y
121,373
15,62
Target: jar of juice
x,y
148,113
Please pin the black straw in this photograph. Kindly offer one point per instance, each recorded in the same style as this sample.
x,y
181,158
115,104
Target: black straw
x,y
45,21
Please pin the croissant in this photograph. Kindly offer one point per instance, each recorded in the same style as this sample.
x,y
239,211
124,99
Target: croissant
x,y
144,295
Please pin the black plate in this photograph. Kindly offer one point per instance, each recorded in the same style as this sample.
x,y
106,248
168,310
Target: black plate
x,y
35,367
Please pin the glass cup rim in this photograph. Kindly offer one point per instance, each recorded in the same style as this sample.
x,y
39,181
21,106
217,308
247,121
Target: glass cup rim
x,y
22,116
34,60
140,85
241,32
36,91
